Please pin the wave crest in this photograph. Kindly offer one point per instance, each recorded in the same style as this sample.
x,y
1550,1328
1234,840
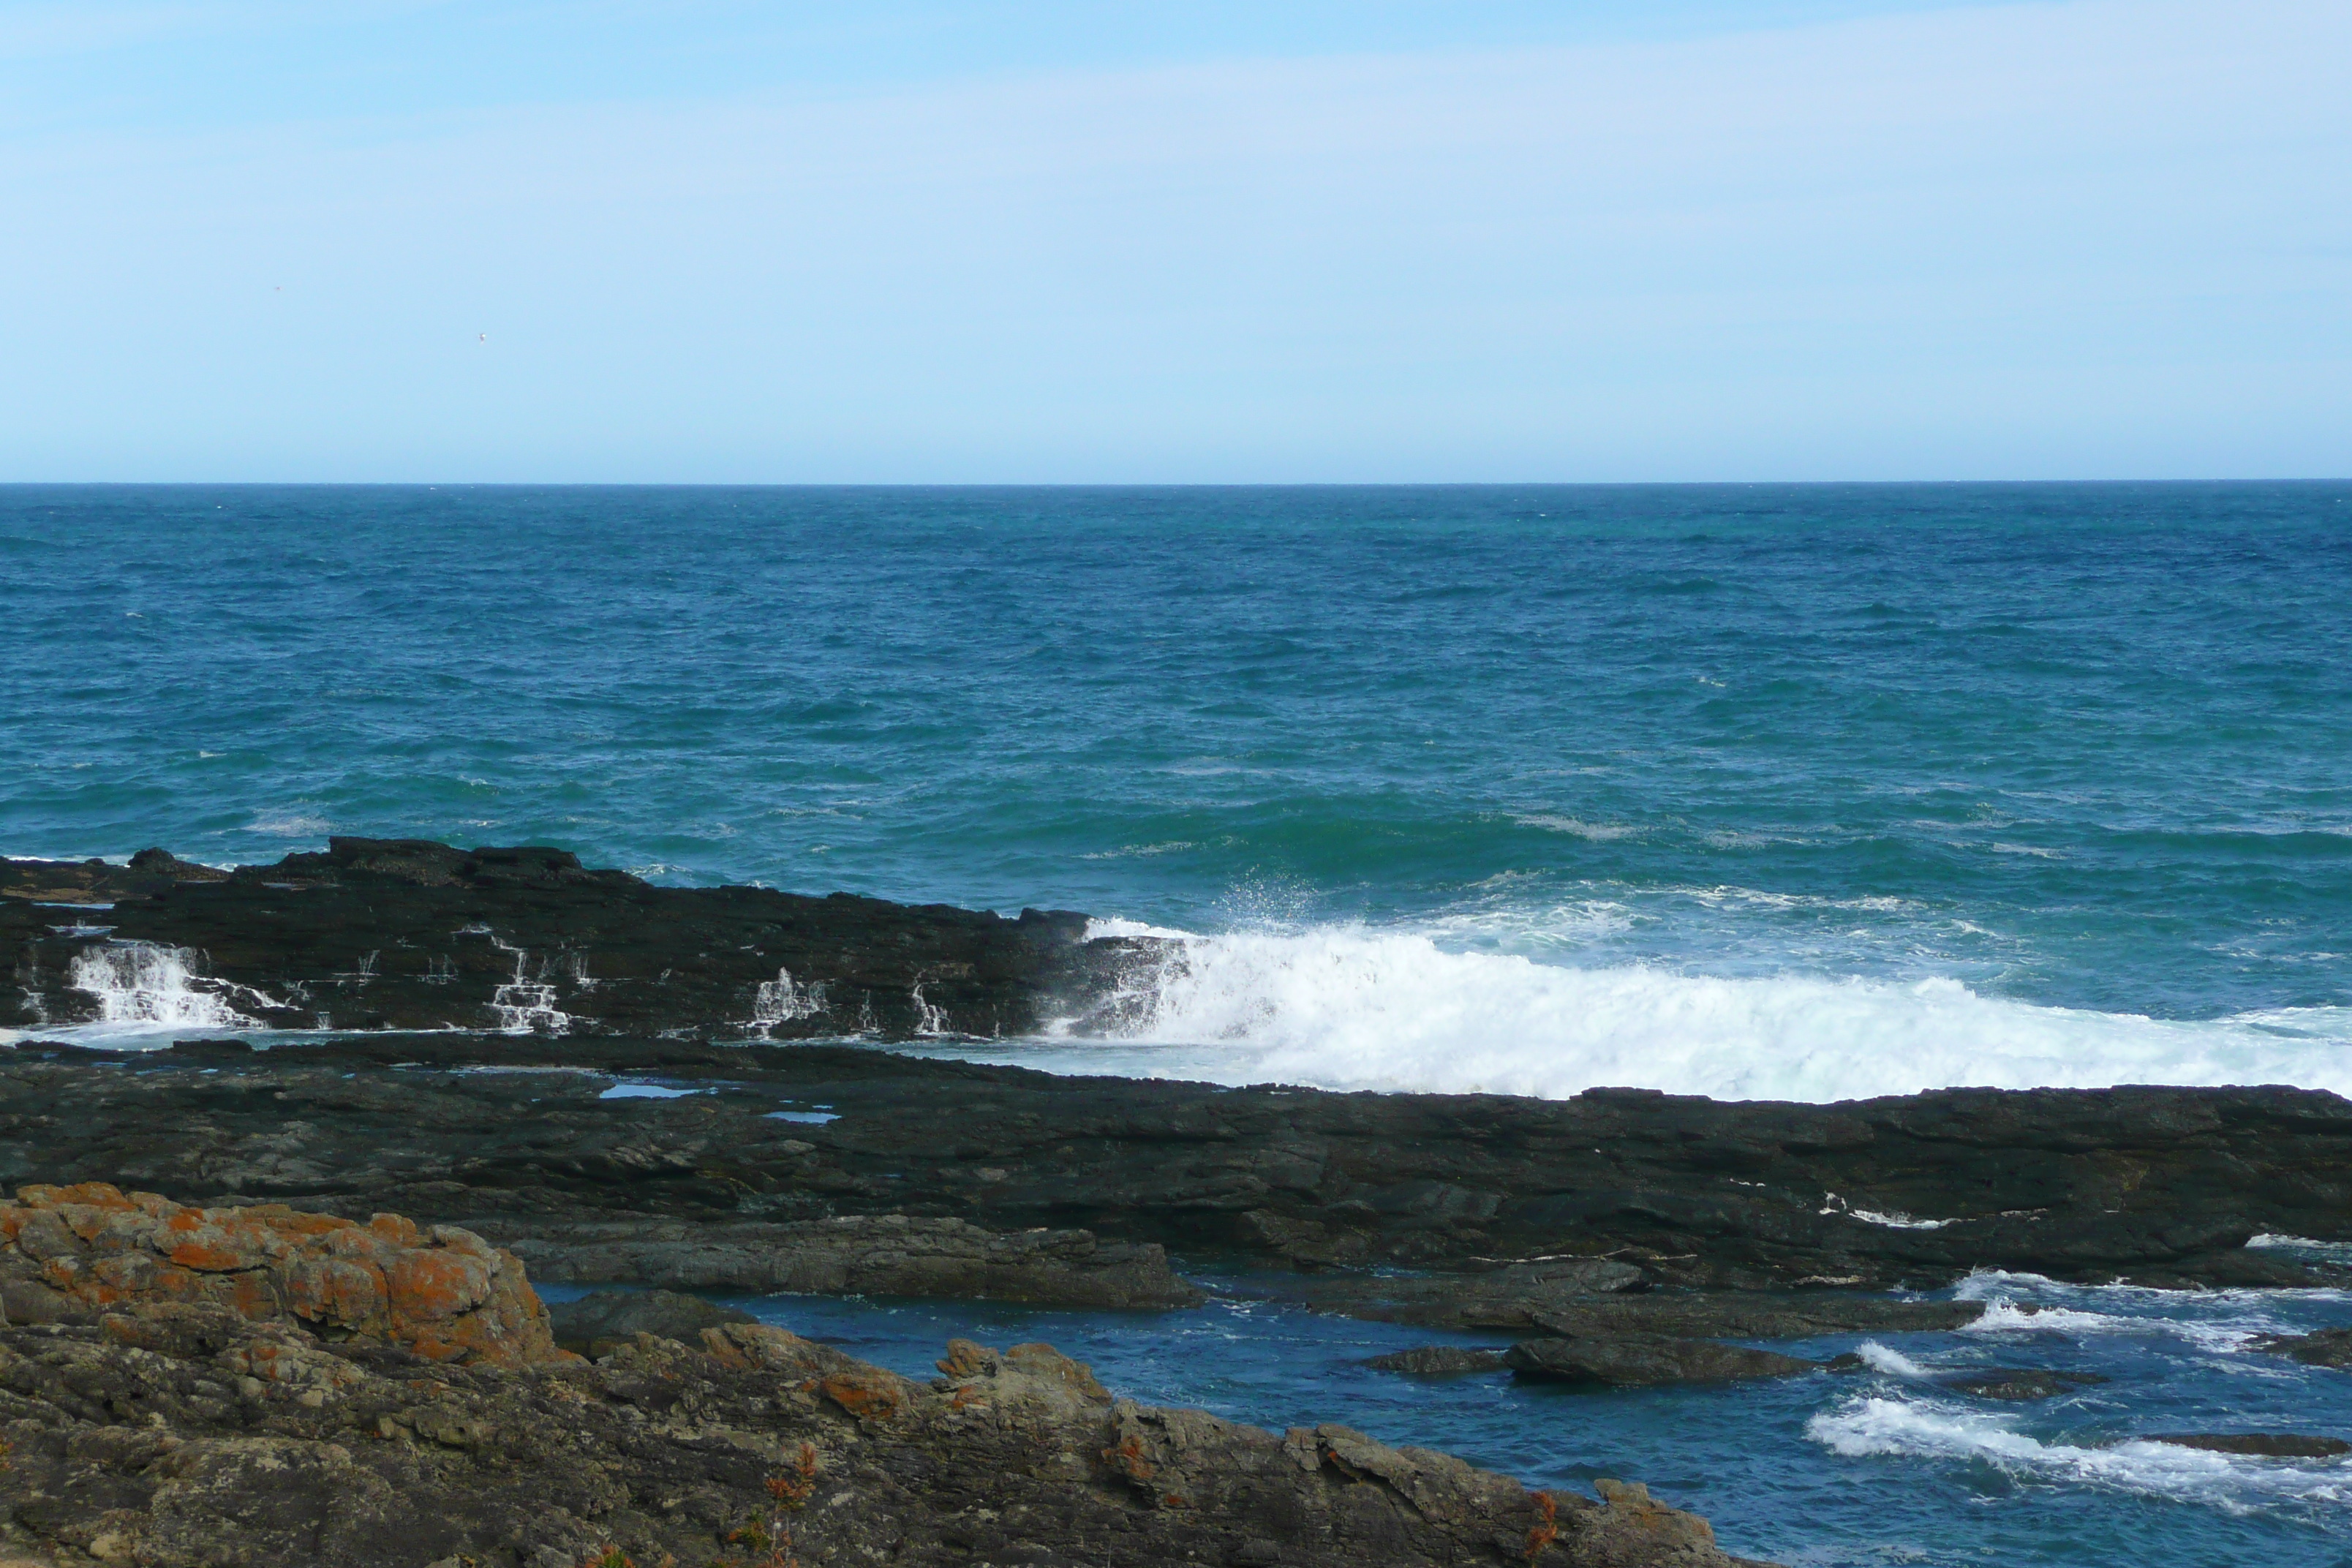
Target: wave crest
x,y
1353,1007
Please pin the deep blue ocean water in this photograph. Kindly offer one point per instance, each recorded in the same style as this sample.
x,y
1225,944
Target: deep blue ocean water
x,y
1809,791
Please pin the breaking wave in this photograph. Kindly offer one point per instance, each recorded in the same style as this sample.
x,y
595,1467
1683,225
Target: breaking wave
x,y
1353,1007
1927,1429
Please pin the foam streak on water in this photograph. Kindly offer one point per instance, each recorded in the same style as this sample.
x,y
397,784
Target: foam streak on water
x,y
1933,1430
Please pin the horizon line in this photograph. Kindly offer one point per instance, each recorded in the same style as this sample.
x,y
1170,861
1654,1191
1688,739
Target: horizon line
x,y
1140,484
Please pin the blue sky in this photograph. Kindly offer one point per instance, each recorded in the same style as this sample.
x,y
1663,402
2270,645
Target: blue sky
x,y
713,240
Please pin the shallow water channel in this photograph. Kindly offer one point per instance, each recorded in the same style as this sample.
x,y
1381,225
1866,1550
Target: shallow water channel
x,y
1855,1470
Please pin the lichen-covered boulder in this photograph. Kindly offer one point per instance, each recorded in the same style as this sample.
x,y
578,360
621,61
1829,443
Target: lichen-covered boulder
x,y
69,1252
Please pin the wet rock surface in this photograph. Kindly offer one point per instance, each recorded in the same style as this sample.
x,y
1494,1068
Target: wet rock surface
x,y
2019,1385
1610,1304
176,1434
1616,1193
1437,1360
1644,1360
855,1254
401,933
2326,1347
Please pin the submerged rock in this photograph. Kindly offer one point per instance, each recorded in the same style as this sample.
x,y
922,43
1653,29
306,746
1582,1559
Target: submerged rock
x,y
2020,1385
1641,1361
2326,1347
1438,1361
2259,1445
1476,1302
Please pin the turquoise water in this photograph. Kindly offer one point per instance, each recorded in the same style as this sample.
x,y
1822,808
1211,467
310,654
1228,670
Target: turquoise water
x,y
1805,790
1800,791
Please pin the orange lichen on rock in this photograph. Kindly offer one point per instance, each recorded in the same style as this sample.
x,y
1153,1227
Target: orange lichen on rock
x,y
444,1293
867,1398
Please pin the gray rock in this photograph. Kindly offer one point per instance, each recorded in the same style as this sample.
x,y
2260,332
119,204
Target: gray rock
x,y
2020,1385
2327,1347
1756,1315
1437,1360
605,1318
361,1455
1641,1361
862,1254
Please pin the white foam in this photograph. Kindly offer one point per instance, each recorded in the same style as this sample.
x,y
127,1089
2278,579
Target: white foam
x,y
1890,1220
1894,1363
782,1001
2217,1322
1352,1007
1116,926
2011,1318
1921,1430
525,1005
289,825
141,988
2328,1252
1598,832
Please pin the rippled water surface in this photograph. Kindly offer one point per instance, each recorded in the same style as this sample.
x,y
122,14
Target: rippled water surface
x,y
1790,791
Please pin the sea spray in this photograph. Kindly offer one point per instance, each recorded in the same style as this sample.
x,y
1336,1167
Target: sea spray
x,y
141,986
1357,1007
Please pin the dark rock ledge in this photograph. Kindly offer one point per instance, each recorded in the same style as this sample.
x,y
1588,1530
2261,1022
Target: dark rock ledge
x,y
265,1386
1612,1201
409,933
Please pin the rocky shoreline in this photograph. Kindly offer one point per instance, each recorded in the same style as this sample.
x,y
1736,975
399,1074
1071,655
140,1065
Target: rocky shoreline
x,y
607,1137
267,1386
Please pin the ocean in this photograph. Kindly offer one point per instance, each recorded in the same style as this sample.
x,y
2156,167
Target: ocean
x,y
1764,792
1803,792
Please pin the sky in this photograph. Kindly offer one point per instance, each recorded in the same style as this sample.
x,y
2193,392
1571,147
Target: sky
x,y
1080,241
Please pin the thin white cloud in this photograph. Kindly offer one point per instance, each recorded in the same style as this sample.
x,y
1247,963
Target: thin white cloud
x,y
35,29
